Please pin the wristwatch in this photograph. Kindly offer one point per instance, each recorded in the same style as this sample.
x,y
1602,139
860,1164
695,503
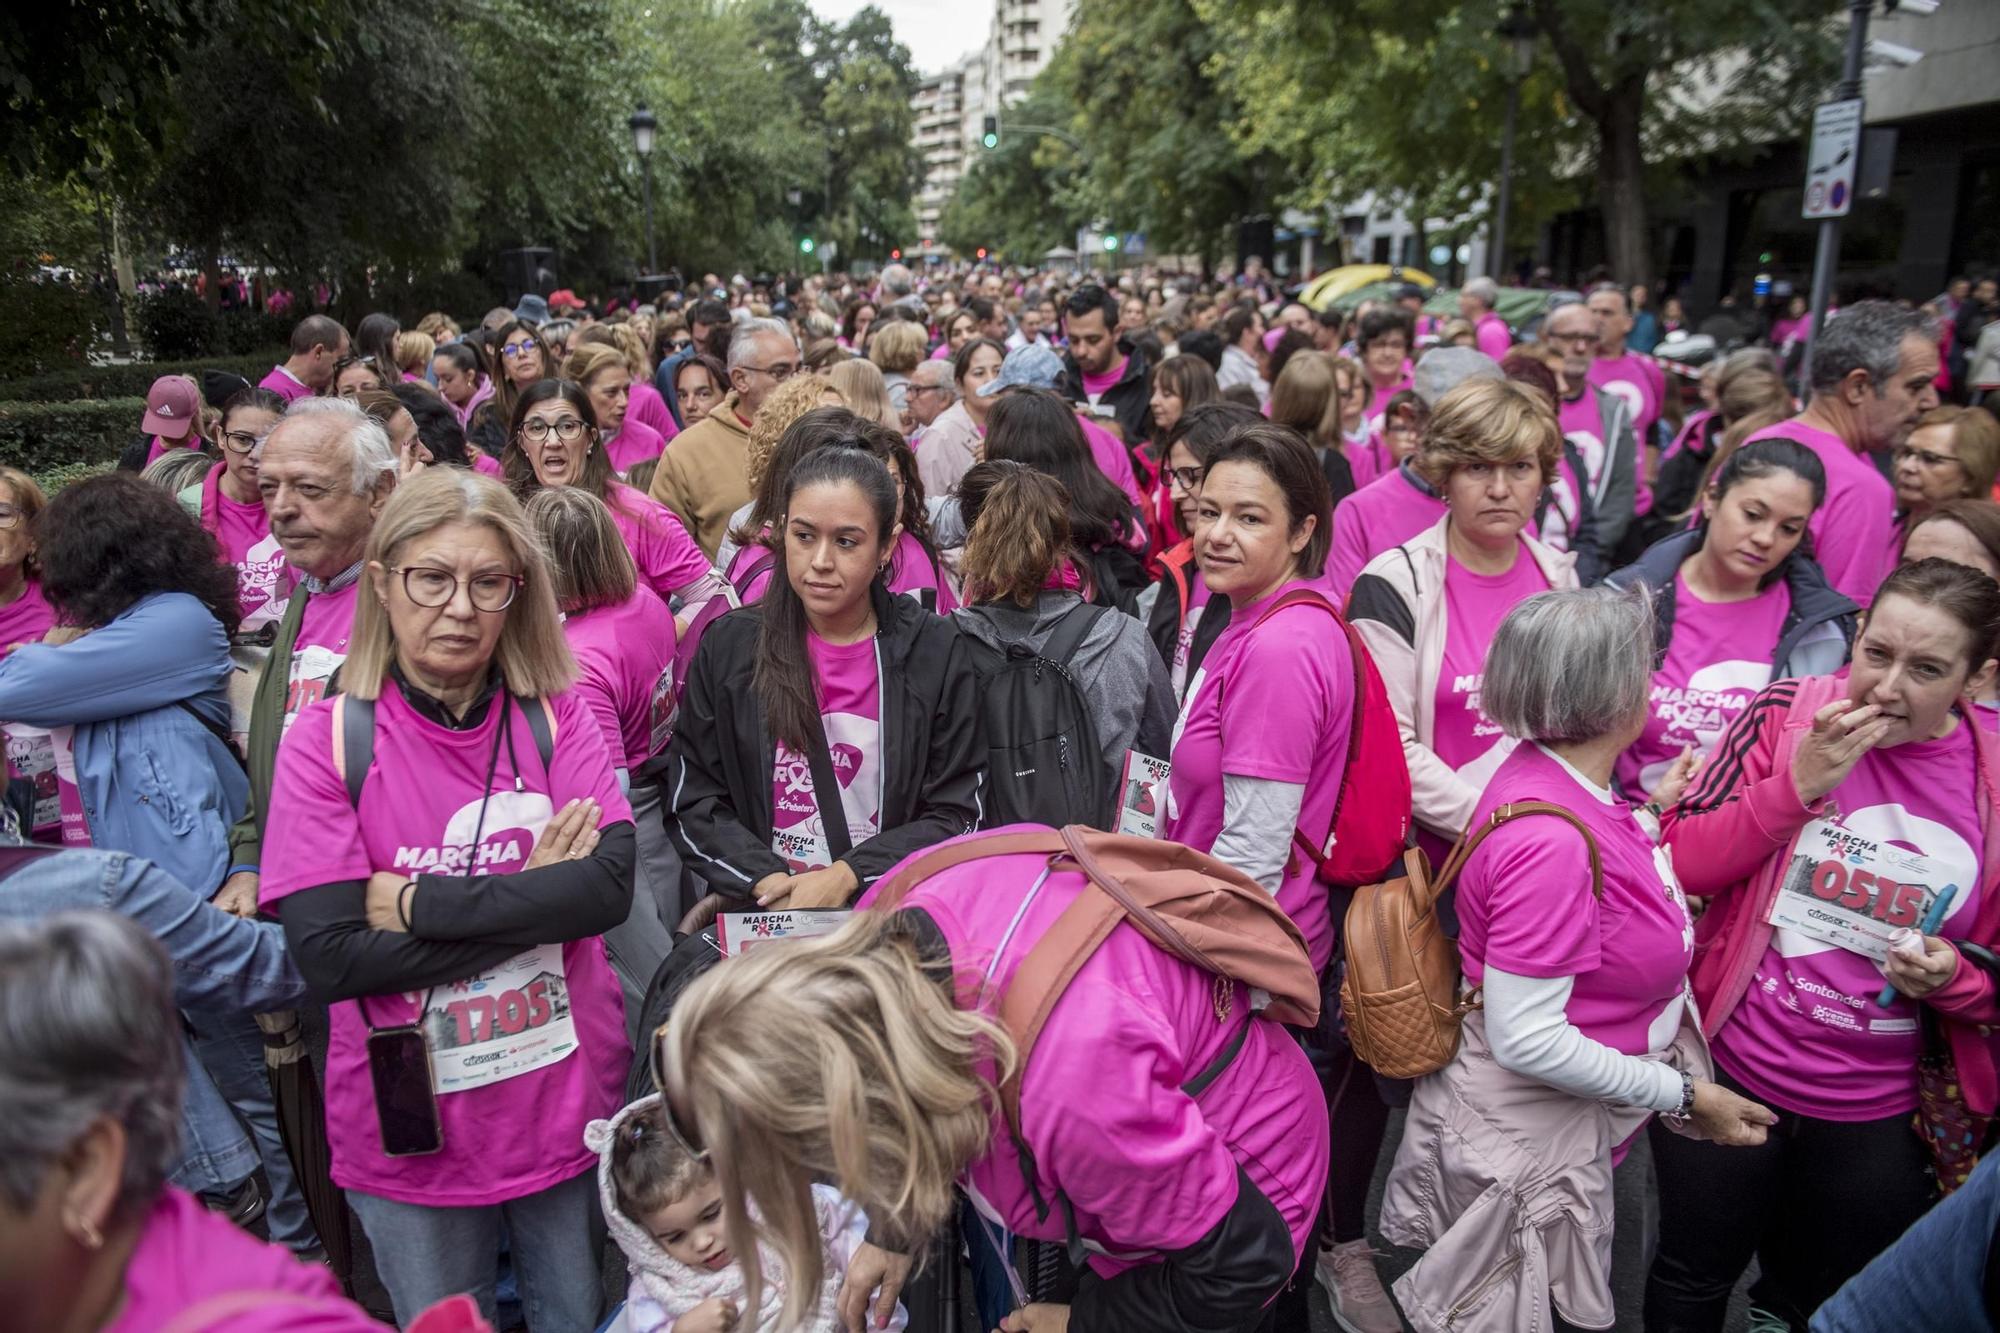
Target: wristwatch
x,y
1678,1117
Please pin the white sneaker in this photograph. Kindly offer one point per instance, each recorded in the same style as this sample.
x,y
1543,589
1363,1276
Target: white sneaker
x,y
1354,1289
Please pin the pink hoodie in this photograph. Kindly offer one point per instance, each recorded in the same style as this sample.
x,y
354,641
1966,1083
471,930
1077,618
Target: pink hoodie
x,y
1146,1167
1732,837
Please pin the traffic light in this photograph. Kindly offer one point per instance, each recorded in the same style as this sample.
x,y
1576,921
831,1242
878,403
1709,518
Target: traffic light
x,y
980,252
1110,242
896,254
991,136
805,245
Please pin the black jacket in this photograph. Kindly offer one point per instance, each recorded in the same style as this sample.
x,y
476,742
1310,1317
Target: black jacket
x,y
1814,603
719,767
1163,611
1130,400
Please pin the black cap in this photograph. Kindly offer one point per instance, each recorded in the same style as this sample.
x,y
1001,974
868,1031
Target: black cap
x,y
219,386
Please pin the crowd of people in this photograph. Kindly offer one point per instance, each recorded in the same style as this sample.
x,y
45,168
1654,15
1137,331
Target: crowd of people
x,y
446,693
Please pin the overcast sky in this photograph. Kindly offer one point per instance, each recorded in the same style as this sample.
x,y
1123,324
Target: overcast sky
x,y
936,31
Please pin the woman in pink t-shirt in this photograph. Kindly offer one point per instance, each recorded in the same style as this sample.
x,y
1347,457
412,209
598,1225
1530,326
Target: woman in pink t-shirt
x,y
1383,342
1966,532
446,843
554,440
231,510
462,379
1428,608
91,1236
856,740
623,638
605,378
1738,601
1576,938
1838,810
25,615
1196,1203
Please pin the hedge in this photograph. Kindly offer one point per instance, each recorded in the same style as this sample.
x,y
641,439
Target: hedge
x,y
40,437
129,380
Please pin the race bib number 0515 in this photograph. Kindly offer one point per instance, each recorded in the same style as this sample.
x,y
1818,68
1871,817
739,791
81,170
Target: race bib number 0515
x,y
1851,891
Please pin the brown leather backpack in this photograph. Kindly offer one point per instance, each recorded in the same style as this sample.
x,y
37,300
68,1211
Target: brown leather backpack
x,y
1191,905
1400,993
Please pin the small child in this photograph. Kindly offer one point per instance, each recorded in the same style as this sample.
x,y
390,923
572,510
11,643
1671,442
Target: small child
x,y
664,1208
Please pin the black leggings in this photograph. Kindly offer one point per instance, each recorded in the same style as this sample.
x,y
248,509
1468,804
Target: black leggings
x,y
1357,1118
1814,1204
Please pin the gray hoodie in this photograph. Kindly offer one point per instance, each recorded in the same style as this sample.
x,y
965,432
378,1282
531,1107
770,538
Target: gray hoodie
x,y
1118,672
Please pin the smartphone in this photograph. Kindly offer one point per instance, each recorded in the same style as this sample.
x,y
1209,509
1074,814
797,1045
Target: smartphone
x,y
399,1064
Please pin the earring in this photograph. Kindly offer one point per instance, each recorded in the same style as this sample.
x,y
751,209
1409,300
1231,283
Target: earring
x,y
87,1233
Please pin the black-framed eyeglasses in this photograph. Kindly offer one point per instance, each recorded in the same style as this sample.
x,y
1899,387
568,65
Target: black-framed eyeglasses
x,y
684,1136
569,430
779,373
10,516
430,587
1187,478
240,441
1580,338
1906,452
514,351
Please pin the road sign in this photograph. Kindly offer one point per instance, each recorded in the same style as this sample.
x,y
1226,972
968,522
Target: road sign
x,y
1833,159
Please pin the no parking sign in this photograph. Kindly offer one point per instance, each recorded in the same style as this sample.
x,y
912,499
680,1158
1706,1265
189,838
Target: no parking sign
x,y
1833,159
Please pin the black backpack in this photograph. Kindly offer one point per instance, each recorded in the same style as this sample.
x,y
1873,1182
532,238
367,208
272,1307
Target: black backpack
x,y
1043,762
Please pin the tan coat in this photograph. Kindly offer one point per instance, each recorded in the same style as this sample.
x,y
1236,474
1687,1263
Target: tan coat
x,y
704,476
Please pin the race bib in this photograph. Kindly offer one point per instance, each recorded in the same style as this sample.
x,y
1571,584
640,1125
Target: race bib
x,y
75,827
31,755
1142,794
312,669
739,932
1853,892
665,708
804,846
505,1022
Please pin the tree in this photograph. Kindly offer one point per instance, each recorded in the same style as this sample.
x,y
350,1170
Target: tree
x,y
1155,125
1020,197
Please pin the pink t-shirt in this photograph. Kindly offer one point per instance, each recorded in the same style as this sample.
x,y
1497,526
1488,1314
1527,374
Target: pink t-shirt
x,y
286,385
161,446
1582,426
321,648
25,619
1094,386
243,531
187,1255
524,1055
486,463
1474,606
667,557
1636,379
1112,459
1854,532
912,574
1382,515
626,653
849,677
1808,1035
647,407
1269,701
1378,403
1146,1168
1490,335
1987,716
1719,658
635,442
1525,906
1368,456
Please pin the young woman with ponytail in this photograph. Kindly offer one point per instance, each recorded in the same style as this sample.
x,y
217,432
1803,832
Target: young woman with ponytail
x,y
1019,585
859,743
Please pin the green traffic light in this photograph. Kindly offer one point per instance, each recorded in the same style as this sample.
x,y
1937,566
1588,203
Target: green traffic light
x,y
806,245
991,141
1111,243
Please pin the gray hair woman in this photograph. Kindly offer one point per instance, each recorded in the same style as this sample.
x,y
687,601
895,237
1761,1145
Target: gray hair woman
x,y
1576,937
451,893
91,1070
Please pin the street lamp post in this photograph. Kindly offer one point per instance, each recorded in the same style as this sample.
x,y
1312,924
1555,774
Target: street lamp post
x,y
644,126
1517,35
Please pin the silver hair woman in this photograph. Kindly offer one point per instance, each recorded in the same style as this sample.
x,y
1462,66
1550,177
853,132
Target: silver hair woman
x,y
91,1235
1575,935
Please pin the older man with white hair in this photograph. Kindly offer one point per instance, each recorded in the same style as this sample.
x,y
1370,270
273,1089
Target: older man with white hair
x,y
705,477
1475,305
930,393
325,471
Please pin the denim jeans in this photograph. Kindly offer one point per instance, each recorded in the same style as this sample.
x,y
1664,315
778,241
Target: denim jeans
x,y
232,1051
216,1156
425,1254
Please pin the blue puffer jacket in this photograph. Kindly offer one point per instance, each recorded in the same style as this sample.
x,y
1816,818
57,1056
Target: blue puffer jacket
x,y
154,780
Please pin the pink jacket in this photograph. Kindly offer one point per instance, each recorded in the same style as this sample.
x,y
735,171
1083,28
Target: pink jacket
x,y
1732,837
1147,1167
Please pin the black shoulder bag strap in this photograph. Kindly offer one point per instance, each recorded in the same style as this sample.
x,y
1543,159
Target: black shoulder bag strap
x,y
537,718
357,744
826,791
1069,632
